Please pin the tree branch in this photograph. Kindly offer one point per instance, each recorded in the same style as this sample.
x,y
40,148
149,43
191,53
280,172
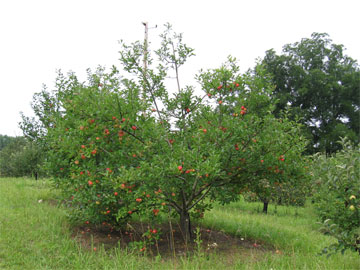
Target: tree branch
x,y
198,200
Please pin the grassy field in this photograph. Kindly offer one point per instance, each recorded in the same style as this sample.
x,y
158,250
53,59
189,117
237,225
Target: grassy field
x,y
37,235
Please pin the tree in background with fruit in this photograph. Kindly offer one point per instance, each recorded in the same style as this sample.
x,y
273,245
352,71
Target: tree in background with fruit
x,y
337,196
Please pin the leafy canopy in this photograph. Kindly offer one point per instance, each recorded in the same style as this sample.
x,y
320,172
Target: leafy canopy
x,y
126,145
321,85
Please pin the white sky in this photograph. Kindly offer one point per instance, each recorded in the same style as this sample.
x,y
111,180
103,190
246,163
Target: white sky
x,y
38,37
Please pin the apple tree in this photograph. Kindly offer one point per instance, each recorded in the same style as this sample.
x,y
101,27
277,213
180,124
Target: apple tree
x,y
208,147
126,145
337,196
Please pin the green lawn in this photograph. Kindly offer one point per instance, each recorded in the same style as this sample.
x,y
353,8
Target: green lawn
x,y
37,235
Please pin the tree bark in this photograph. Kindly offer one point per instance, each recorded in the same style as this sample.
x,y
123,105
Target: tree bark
x,y
265,208
185,225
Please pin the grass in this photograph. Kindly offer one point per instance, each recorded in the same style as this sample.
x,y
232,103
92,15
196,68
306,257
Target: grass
x,y
37,235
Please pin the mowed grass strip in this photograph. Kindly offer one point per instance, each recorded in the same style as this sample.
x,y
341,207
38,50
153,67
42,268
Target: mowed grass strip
x,y
292,231
37,235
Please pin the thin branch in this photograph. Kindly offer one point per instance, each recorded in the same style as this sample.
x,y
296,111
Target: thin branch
x,y
194,195
183,198
150,88
176,68
193,191
198,200
172,202
132,134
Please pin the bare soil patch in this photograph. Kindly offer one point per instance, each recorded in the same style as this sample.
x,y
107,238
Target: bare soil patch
x,y
170,243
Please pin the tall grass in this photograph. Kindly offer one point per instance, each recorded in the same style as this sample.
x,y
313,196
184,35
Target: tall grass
x,y
36,235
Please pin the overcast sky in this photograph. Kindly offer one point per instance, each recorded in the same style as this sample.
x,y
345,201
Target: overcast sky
x,y
39,37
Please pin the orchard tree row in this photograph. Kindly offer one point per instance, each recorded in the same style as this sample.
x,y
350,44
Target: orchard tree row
x,y
19,157
121,144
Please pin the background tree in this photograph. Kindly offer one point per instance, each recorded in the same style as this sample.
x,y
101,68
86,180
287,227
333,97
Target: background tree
x,y
9,157
20,158
320,84
5,140
337,196
35,129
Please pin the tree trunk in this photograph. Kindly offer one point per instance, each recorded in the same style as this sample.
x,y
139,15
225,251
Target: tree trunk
x,y
185,226
265,208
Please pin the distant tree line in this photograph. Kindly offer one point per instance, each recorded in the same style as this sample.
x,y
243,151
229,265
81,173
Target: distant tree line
x,y
5,140
20,157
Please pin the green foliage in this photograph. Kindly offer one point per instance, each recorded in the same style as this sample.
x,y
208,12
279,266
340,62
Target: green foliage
x,y
123,146
284,180
9,157
320,84
5,140
337,195
20,158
